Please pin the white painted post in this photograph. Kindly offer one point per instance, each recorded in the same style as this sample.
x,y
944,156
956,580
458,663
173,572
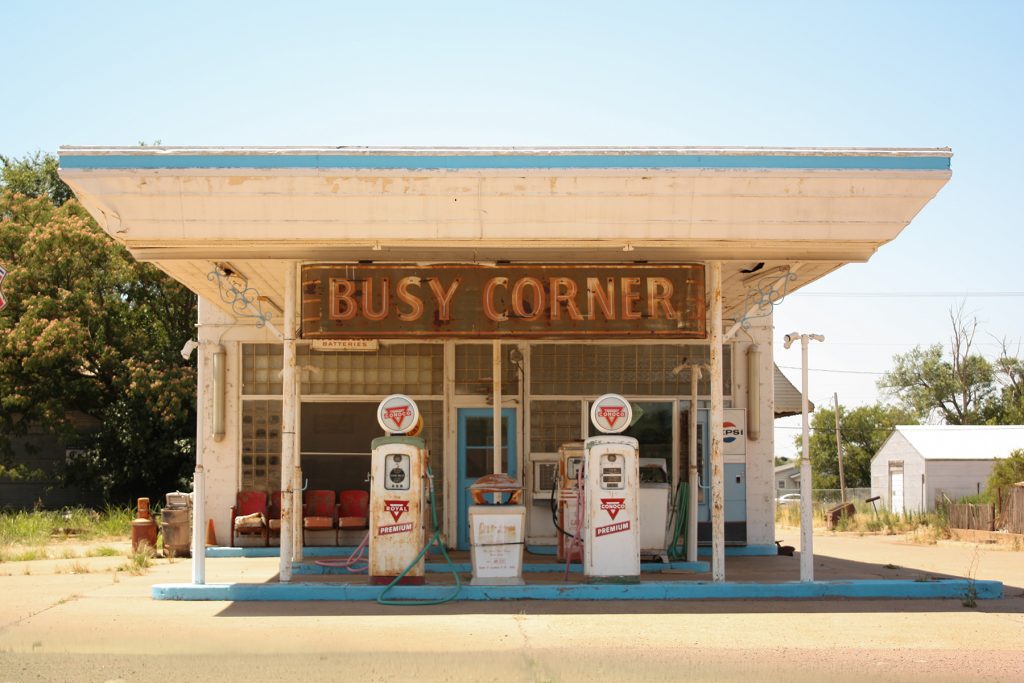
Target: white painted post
x,y
806,510
715,428
496,387
297,551
199,476
694,484
288,509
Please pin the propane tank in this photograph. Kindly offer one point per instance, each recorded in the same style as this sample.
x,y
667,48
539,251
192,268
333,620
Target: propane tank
x,y
143,527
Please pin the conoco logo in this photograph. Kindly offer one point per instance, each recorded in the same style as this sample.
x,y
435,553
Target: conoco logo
x,y
397,415
613,506
396,507
611,414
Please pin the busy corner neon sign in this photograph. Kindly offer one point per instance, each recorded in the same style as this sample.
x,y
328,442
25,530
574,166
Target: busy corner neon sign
x,y
539,300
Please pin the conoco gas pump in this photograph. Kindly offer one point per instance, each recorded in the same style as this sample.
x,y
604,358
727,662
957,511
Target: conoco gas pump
x,y
568,496
398,474
611,540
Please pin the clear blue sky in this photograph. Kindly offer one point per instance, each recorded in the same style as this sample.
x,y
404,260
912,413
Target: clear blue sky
x,y
768,73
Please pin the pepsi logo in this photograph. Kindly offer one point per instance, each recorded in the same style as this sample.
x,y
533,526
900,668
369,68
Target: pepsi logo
x,y
730,432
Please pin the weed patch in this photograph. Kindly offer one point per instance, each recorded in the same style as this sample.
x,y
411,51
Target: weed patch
x,y
30,555
140,561
44,526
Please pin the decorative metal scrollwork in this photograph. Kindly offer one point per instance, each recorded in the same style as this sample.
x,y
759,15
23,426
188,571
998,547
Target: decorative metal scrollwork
x,y
766,293
235,291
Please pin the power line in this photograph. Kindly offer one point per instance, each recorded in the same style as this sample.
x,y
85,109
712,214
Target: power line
x,y
847,372
905,295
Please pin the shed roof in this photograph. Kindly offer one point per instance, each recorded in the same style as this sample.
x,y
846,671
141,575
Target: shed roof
x,y
787,396
963,442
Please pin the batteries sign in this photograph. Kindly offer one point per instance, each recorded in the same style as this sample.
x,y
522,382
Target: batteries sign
x,y
611,414
398,414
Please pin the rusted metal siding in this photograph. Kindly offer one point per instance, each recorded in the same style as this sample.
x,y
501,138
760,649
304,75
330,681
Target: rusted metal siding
x,y
618,301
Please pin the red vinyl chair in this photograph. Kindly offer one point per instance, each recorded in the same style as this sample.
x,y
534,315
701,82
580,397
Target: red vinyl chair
x,y
319,513
353,510
274,516
249,515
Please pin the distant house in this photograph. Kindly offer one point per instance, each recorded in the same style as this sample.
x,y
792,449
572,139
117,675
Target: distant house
x,y
787,403
787,478
44,455
918,465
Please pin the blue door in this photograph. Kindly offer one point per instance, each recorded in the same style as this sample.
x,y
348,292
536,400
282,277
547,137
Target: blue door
x,y
476,455
735,493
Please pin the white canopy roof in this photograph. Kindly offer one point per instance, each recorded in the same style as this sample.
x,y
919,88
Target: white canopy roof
x,y
762,211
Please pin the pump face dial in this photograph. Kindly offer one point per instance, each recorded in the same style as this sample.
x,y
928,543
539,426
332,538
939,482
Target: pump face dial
x,y
396,468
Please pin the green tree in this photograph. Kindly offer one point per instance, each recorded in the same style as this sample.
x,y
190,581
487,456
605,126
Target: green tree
x,y
958,388
1006,472
1008,409
34,176
87,328
864,430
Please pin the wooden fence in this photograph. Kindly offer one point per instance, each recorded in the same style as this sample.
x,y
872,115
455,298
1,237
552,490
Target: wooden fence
x,y
970,516
1012,517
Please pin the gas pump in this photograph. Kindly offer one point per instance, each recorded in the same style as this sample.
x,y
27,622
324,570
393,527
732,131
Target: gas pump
x,y
398,480
566,500
611,540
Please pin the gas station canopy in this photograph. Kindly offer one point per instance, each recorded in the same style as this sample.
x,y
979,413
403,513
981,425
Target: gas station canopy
x,y
761,211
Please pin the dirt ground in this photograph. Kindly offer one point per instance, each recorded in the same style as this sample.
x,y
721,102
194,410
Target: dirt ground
x,y
77,620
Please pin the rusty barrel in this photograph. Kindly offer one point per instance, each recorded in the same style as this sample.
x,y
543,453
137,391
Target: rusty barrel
x,y
143,527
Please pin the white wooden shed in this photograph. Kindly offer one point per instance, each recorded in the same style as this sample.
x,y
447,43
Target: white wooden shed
x,y
919,464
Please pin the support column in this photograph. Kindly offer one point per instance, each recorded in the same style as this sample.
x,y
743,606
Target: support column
x,y
692,481
288,509
496,387
297,551
199,477
715,426
806,510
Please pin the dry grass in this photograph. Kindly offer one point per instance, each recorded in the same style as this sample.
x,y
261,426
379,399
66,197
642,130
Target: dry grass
x,y
46,526
140,561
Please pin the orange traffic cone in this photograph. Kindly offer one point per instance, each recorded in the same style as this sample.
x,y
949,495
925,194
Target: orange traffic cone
x,y
211,535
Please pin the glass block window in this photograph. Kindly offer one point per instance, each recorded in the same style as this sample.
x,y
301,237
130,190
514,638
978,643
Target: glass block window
x,y
473,365
261,445
552,423
261,369
392,369
630,369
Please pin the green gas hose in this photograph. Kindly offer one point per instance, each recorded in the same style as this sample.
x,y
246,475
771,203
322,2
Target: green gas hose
x,y
679,529
435,538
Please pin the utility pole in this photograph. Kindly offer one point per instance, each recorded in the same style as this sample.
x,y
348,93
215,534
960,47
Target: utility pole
x,y
839,447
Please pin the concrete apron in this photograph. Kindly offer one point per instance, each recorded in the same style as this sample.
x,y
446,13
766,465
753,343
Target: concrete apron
x,y
647,590
546,581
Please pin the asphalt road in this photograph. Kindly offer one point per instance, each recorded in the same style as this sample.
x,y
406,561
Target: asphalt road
x,y
100,626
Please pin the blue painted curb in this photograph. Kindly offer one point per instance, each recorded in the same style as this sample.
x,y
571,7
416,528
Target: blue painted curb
x,y
313,569
741,550
507,161
946,588
345,551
